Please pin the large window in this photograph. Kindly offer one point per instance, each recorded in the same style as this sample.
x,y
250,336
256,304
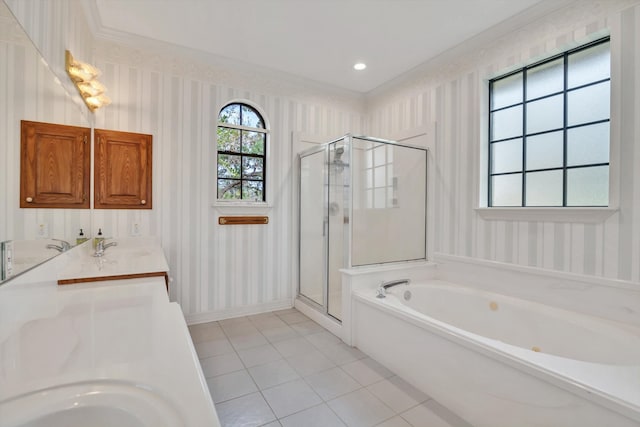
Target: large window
x,y
242,144
549,131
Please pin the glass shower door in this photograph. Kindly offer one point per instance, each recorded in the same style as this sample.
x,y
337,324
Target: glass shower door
x,y
313,226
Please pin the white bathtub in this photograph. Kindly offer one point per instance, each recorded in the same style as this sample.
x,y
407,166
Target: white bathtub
x,y
502,362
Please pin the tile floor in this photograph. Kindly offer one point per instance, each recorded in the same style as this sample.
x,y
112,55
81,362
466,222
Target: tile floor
x,y
282,369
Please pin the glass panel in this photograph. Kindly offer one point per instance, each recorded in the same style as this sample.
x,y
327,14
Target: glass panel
x,y
253,142
545,151
228,139
369,175
588,186
506,156
379,156
313,226
545,114
379,198
507,91
589,104
379,174
338,229
545,79
252,190
588,145
506,190
228,166
395,231
544,188
229,189
506,123
589,65
252,167
251,118
230,114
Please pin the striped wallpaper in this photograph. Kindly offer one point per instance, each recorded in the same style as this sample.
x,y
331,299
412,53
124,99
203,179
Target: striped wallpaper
x,y
219,271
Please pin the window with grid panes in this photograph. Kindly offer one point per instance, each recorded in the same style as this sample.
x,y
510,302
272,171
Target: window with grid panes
x,y
549,131
241,155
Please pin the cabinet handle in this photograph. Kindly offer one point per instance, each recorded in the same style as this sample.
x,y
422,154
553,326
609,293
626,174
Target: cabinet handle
x,y
143,202
29,199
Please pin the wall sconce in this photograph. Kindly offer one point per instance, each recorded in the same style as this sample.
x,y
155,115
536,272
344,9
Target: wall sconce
x,y
85,78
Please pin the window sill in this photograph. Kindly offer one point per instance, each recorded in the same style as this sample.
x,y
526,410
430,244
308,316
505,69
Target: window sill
x,y
578,215
242,207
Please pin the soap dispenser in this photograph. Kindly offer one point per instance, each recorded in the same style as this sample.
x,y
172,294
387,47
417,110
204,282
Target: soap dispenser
x,y
98,238
81,238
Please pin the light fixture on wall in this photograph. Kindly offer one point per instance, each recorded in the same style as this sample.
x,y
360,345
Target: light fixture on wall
x,y
85,78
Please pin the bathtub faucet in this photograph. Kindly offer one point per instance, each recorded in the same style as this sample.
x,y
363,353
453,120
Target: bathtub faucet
x,y
382,290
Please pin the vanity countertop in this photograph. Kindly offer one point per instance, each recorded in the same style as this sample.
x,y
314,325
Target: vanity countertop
x,y
101,334
131,257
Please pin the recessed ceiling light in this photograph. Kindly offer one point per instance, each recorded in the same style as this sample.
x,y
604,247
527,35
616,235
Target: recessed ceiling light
x,y
360,66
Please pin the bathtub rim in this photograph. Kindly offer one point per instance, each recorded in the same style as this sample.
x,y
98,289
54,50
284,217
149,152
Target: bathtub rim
x,y
480,345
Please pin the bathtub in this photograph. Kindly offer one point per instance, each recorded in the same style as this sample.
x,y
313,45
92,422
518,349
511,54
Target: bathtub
x,y
498,361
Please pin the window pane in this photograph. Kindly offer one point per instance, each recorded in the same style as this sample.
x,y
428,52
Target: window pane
x,y
251,118
506,156
545,79
252,167
230,114
588,186
544,188
228,139
253,142
379,155
228,189
506,190
588,145
379,176
228,166
507,91
588,104
369,175
506,123
589,65
545,151
252,190
545,114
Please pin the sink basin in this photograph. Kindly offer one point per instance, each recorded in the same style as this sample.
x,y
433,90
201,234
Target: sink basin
x,y
100,403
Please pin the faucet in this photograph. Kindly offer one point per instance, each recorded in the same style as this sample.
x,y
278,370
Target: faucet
x,y
382,290
101,247
64,246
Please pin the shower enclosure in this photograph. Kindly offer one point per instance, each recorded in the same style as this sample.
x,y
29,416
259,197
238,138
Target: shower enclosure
x,y
362,201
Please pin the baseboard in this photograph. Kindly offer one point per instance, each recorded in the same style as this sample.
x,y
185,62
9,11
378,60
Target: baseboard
x,y
212,316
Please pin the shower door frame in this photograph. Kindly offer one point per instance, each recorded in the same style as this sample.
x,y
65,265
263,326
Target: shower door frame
x,y
346,256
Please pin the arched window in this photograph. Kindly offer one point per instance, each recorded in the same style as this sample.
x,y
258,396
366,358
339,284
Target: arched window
x,y
242,148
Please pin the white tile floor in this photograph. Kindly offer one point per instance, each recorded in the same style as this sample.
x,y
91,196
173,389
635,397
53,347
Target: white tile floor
x,y
282,369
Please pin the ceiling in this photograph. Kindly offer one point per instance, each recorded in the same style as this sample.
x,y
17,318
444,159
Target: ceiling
x,y
319,40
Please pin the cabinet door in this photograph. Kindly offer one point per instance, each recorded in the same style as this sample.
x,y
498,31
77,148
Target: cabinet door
x,y
55,162
122,168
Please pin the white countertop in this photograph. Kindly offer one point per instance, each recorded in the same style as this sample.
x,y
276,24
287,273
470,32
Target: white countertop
x,y
130,256
104,334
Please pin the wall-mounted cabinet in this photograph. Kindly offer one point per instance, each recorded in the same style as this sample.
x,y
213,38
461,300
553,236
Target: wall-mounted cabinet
x,y
55,162
122,170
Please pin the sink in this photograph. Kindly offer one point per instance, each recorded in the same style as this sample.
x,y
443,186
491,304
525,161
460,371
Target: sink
x,y
98,403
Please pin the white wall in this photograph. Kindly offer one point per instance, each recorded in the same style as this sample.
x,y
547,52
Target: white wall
x,y
451,91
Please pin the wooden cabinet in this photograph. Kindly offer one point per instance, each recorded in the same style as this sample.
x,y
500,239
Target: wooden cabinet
x,y
122,170
55,162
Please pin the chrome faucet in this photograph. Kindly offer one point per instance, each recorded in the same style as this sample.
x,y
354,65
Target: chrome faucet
x,y
64,246
101,246
382,290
